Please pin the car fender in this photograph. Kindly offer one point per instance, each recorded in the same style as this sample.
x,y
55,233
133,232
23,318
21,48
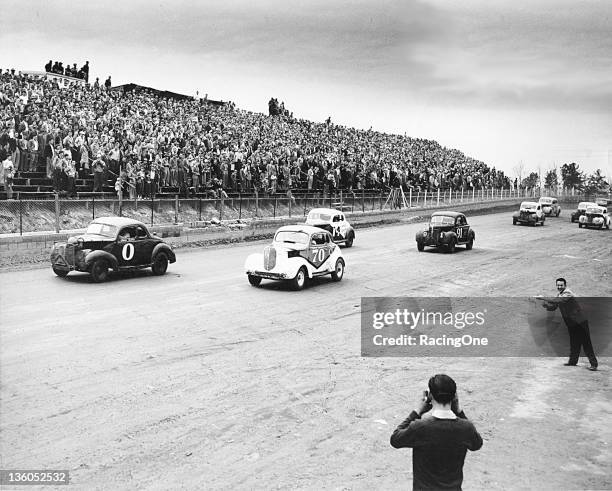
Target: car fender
x,y
516,214
253,262
163,247
448,236
471,235
100,254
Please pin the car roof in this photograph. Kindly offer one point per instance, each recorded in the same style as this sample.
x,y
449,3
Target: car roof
x,y
324,210
529,203
546,197
308,229
453,214
118,221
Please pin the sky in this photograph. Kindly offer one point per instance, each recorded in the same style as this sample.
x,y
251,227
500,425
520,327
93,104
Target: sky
x,y
511,83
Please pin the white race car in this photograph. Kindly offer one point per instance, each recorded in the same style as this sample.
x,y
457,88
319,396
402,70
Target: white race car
x,y
298,252
596,217
334,222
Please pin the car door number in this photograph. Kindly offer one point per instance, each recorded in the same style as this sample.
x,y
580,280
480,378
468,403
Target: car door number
x,y
459,232
128,251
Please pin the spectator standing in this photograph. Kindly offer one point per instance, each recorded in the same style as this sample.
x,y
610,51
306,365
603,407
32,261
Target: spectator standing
x,y
439,441
7,176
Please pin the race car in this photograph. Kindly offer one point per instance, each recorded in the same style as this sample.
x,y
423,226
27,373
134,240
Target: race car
x,y
596,217
582,206
297,253
116,243
334,222
530,213
550,206
447,229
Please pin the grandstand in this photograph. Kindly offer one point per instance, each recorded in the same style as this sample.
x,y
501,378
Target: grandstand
x,y
56,129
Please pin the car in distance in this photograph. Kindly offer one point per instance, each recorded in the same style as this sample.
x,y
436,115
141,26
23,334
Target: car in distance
x,y
446,230
530,213
550,206
581,210
595,217
334,222
112,243
297,253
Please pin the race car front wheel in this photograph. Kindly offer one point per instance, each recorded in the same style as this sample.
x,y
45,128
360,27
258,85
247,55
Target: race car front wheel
x,y
62,273
338,271
254,280
299,281
99,271
160,264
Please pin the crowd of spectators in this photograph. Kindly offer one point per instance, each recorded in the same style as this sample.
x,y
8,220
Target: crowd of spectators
x,y
68,71
147,142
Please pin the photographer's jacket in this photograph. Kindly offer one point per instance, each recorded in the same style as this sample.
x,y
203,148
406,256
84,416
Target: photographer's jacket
x,y
440,445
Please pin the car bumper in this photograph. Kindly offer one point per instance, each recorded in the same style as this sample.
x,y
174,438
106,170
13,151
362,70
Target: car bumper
x,y
268,275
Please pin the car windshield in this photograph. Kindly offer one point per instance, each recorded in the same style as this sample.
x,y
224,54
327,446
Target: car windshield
x,y
584,206
442,220
291,237
594,210
529,206
102,229
319,216
546,201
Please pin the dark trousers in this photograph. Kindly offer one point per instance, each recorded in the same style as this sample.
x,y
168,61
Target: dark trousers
x,y
580,337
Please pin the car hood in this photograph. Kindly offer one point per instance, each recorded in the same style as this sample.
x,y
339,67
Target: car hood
x,y
285,246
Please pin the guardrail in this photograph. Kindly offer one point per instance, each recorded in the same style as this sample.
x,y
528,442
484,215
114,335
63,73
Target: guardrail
x,y
22,216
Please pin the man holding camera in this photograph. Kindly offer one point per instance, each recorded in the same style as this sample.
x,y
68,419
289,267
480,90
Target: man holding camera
x,y
440,440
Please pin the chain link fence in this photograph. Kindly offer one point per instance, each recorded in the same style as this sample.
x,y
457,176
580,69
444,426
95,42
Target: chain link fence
x,y
21,216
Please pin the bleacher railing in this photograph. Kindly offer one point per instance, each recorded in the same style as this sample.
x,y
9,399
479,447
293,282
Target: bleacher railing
x,y
28,215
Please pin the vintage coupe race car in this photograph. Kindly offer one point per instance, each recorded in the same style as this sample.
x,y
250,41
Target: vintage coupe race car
x,y
550,206
447,229
334,222
530,213
581,210
596,217
298,252
114,243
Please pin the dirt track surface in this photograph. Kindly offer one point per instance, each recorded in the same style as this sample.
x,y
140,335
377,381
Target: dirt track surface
x,y
196,380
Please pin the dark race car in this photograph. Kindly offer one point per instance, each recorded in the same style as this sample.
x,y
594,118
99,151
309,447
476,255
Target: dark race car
x,y
447,229
581,210
120,244
595,217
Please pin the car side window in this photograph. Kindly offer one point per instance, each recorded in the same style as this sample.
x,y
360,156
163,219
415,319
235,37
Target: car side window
x,y
140,233
126,234
318,239
336,218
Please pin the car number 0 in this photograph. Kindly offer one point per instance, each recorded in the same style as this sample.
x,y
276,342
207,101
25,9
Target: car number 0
x,y
128,252
319,255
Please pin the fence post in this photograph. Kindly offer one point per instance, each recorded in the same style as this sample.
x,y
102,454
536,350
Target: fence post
x,y
289,198
221,203
93,207
438,198
199,209
425,198
152,204
239,206
362,200
473,194
20,215
57,213
275,199
305,202
410,198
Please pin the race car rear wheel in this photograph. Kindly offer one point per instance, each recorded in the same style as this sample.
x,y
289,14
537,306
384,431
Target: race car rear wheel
x,y
349,241
62,273
338,271
99,271
160,264
254,280
299,281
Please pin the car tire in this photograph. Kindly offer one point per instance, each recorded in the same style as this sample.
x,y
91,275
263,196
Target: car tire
x,y
160,264
514,221
349,241
450,248
99,271
420,246
579,225
338,272
62,273
299,281
254,280
470,244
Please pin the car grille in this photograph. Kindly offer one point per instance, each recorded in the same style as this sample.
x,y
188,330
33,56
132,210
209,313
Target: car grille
x,y
525,215
69,254
269,258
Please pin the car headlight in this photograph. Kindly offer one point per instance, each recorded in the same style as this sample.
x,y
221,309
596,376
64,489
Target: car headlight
x,y
425,233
